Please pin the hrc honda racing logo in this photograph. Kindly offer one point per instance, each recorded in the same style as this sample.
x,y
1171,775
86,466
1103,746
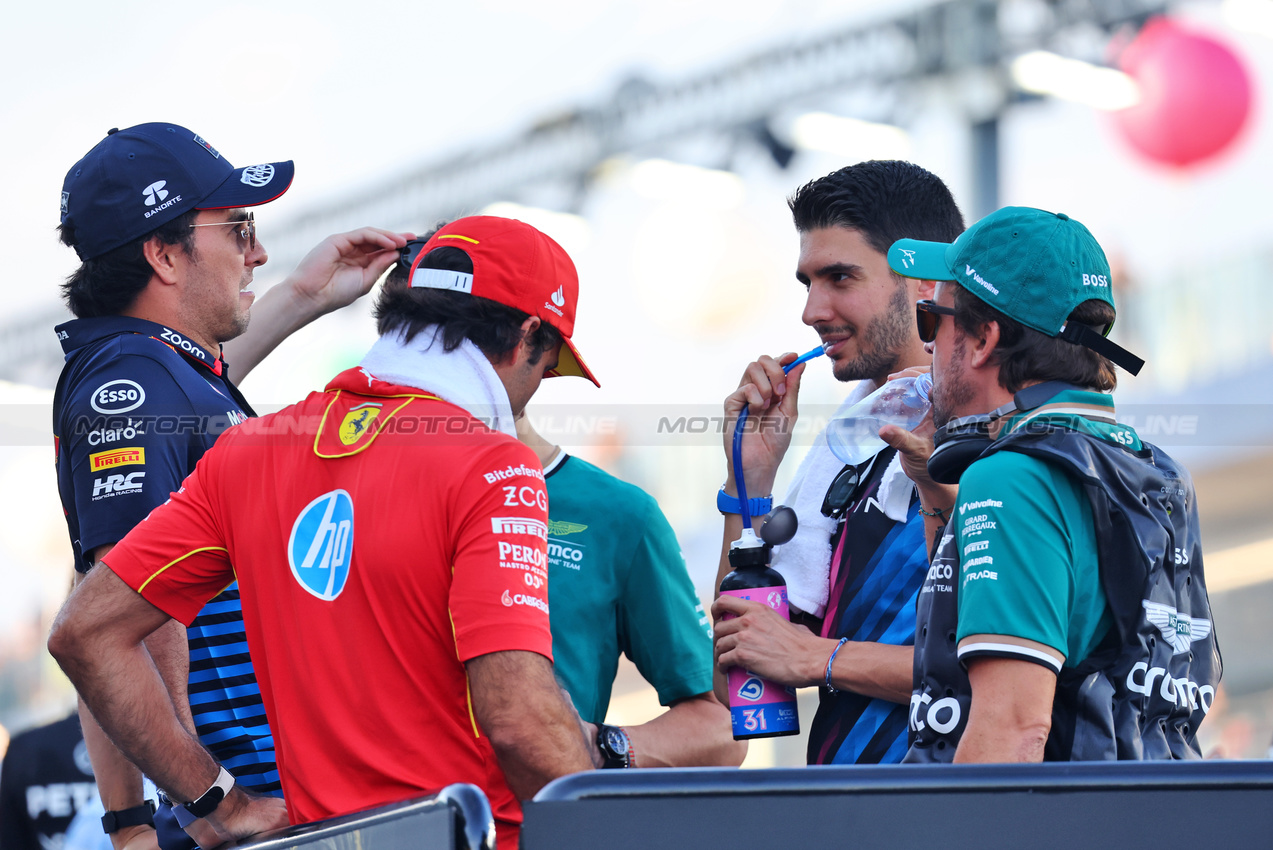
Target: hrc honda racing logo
x,y
114,485
321,545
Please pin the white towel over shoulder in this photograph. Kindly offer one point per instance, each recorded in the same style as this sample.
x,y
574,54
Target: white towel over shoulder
x,y
462,376
805,561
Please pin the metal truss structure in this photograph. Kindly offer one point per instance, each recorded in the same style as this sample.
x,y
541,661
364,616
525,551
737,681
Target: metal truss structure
x,y
942,40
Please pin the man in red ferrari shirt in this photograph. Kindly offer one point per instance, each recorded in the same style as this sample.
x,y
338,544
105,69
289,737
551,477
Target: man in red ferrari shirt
x,y
389,536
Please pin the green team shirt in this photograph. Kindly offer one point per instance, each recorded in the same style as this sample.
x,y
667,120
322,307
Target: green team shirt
x,y
1029,577
617,583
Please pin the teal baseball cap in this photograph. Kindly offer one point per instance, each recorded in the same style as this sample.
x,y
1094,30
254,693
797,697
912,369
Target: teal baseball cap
x,y
1029,264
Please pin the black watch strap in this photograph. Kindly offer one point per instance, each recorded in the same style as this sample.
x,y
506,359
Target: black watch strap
x,y
143,815
207,803
615,746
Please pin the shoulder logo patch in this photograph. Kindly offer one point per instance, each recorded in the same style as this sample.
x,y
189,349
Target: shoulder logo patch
x,y
118,396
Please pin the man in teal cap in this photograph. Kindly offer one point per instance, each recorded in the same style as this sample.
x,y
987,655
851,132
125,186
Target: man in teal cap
x,y
1065,615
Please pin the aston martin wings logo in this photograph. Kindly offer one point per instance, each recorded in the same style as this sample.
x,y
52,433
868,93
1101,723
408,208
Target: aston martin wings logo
x,y
560,528
1177,629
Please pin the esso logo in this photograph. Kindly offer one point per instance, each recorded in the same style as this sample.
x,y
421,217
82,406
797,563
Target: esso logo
x,y
321,545
119,396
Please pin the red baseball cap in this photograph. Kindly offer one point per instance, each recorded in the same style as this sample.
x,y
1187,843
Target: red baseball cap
x,y
517,266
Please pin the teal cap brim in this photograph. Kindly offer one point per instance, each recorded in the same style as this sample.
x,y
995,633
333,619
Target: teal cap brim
x,y
920,260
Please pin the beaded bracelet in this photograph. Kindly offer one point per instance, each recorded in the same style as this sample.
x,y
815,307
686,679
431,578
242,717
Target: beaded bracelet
x,y
831,661
937,513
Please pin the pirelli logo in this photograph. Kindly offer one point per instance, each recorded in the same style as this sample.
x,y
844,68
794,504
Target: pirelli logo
x,y
117,457
519,525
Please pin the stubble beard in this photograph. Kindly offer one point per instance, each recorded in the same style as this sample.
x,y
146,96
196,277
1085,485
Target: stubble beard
x,y
953,391
881,344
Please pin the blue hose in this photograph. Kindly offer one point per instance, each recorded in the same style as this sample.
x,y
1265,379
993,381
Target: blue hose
x,y
739,479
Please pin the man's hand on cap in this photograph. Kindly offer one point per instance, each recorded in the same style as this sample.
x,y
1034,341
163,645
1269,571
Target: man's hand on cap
x,y
344,267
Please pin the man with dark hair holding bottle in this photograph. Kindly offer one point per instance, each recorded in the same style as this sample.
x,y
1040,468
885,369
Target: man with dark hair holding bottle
x,y
858,558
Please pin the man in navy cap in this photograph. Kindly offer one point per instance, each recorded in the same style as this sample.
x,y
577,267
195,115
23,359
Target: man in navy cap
x,y
160,220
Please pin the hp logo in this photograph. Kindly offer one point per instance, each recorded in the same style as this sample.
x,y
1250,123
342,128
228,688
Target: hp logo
x,y
322,544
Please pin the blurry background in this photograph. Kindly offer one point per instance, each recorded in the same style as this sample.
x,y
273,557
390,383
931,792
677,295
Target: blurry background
x,y
657,142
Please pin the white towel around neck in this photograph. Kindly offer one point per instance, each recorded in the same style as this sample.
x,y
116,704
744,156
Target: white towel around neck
x,y
805,561
462,376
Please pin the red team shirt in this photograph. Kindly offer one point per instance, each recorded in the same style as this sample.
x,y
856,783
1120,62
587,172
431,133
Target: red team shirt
x,y
381,537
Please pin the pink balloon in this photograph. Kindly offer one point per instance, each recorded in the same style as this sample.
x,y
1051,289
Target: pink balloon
x,y
1195,94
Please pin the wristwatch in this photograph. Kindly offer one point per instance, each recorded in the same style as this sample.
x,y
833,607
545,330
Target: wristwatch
x,y
188,813
615,746
144,814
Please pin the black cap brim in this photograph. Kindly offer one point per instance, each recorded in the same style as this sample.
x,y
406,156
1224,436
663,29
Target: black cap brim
x,y
250,186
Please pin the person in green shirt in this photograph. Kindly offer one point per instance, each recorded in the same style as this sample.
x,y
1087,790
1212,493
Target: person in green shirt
x,y
1064,615
617,583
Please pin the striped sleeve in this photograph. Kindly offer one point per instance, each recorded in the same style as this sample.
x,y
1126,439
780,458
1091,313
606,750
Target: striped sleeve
x,y
1005,646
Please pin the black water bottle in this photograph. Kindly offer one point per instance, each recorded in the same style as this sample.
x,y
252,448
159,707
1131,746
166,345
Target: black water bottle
x,y
760,708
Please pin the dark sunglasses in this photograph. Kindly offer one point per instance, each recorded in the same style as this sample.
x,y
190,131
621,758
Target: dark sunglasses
x,y
928,316
247,231
840,493
407,253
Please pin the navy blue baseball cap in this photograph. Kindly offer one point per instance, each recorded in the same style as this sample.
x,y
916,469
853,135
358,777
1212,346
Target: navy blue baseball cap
x,y
137,179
